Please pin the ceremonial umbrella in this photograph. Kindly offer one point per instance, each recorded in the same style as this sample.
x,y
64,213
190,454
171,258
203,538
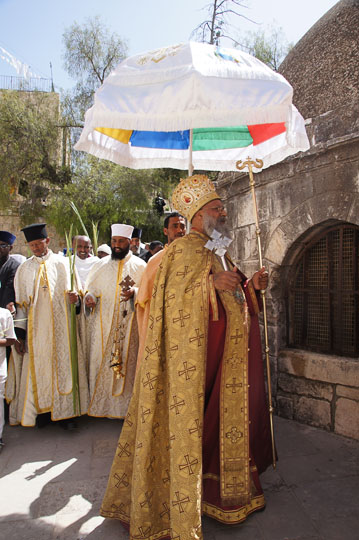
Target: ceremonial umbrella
x,y
193,106
196,106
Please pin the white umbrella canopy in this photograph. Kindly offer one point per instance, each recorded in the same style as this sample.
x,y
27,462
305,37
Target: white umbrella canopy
x,y
193,103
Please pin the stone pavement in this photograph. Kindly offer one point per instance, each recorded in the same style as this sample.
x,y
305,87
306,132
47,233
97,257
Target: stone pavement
x,y
52,483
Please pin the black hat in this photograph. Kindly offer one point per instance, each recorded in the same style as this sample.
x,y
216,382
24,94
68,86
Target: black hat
x,y
154,244
7,237
136,233
36,231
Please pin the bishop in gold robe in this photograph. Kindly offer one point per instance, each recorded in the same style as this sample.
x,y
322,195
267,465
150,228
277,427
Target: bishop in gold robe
x,y
197,430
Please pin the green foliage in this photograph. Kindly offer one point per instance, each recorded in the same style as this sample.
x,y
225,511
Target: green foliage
x,y
270,46
91,53
106,193
30,143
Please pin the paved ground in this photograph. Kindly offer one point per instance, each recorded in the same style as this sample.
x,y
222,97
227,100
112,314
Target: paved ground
x,y
52,483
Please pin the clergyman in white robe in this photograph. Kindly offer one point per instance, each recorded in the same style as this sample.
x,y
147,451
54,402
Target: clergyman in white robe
x,y
112,330
41,380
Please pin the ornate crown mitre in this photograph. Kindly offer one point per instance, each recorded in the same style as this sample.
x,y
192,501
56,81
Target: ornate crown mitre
x,y
192,193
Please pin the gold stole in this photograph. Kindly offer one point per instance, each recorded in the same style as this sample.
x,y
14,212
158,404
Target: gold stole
x,y
116,348
234,413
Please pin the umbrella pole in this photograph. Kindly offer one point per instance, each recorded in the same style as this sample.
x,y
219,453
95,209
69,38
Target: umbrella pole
x,y
190,169
190,162
259,164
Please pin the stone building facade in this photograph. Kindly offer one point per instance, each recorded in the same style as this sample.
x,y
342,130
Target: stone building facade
x,y
309,220
11,221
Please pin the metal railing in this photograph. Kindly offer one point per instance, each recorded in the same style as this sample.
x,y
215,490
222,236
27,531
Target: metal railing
x,y
33,84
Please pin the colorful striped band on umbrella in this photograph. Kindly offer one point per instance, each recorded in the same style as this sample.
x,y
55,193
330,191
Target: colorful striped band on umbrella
x,y
203,139
213,149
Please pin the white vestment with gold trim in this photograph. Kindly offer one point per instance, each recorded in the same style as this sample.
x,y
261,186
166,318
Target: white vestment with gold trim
x,y
112,336
43,382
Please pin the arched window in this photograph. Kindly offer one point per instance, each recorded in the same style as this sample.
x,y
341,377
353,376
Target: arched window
x,y
324,294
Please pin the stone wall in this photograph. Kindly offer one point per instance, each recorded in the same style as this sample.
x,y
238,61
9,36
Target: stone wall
x,y
10,221
297,199
319,390
323,66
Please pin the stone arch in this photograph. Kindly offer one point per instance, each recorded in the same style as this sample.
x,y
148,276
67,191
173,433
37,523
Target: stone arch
x,y
322,210
314,387
292,234
294,258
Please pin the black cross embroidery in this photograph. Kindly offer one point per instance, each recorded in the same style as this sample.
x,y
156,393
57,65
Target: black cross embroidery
x,y
177,404
166,510
234,385
174,253
196,429
149,381
144,413
122,481
184,273
144,533
197,337
123,450
180,501
168,299
192,288
147,501
167,477
150,467
187,370
181,317
236,337
188,465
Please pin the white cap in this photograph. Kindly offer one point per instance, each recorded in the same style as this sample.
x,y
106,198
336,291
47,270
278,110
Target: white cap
x,y
118,229
105,248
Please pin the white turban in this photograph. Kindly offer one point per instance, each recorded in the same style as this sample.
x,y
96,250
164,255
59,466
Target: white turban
x,y
118,229
105,248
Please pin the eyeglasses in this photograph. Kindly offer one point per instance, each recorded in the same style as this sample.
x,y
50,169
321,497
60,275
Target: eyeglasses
x,y
219,209
4,246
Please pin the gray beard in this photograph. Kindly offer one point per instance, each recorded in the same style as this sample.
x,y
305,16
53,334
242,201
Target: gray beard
x,y
210,223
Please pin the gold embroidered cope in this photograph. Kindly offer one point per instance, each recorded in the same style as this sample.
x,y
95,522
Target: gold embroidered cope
x,y
156,476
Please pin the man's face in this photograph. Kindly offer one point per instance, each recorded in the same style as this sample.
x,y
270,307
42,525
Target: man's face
x,y
83,246
176,228
39,247
120,246
102,254
135,245
214,216
4,250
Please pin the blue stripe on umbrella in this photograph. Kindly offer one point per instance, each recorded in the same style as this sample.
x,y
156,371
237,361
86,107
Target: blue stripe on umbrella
x,y
175,140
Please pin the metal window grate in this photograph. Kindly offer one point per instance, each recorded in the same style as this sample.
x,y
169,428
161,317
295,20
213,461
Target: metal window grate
x,y
324,295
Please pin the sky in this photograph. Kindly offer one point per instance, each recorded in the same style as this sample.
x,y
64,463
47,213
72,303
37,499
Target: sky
x,y
31,30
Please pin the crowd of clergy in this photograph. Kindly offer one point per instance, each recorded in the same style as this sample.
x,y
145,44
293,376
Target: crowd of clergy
x,y
37,332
